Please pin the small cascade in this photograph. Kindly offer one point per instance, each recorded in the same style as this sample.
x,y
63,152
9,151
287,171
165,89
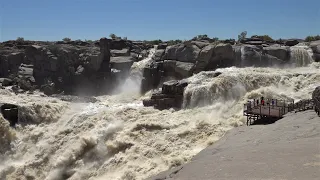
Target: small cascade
x,y
133,82
301,55
237,56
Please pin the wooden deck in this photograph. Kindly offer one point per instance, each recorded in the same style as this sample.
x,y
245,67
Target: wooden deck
x,y
255,111
271,111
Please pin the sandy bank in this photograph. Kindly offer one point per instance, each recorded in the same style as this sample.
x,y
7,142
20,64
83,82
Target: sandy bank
x,y
287,149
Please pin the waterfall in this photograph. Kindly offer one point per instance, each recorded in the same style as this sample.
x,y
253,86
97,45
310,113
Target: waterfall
x,y
301,55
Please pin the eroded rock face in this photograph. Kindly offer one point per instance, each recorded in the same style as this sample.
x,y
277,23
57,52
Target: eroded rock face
x,y
183,60
72,67
280,52
316,93
315,46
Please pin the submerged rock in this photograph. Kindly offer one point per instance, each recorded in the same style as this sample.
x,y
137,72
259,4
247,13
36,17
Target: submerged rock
x,y
76,99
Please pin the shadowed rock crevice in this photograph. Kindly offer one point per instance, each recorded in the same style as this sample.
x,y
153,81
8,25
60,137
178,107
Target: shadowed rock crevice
x,y
10,113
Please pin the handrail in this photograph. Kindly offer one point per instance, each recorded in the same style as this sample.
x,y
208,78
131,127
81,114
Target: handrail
x,y
282,105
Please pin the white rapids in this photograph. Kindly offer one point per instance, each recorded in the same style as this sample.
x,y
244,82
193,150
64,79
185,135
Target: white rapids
x,y
118,138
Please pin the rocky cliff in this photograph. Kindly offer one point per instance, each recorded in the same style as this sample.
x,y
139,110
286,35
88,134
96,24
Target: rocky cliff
x,y
191,57
74,67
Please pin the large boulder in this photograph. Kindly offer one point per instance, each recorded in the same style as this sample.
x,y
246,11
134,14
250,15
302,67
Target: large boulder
x,y
152,74
214,56
4,66
162,46
122,63
222,57
255,56
14,61
177,69
291,42
280,52
316,93
183,60
157,56
6,82
117,44
122,52
45,63
185,52
204,57
105,54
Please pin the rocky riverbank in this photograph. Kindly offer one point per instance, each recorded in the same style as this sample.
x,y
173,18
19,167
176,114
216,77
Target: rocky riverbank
x,y
287,149
92,68
183,60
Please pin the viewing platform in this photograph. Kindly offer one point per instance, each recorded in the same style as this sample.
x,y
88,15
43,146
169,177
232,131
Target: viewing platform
x,y
272,110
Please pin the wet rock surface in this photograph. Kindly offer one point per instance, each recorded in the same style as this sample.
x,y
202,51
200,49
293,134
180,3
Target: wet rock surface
x,y
76,99
10,113
171,95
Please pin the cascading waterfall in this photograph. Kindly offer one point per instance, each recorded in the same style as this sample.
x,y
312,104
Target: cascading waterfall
x,y
133,83
117,138
301,55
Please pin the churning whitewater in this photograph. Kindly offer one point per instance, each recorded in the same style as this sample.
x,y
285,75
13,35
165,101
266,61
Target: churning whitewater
x,y
118,138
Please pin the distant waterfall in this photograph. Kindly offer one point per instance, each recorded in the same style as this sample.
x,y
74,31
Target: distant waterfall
x,y
301,55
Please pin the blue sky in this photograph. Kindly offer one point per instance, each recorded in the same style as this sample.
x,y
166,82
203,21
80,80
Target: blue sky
x,y
157,19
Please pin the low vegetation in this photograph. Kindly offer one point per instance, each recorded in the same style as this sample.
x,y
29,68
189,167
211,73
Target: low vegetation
x,y
20,39
242,36
66,39
263,37
312,38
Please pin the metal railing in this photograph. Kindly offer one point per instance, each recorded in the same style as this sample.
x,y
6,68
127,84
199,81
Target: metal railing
x,y
275,108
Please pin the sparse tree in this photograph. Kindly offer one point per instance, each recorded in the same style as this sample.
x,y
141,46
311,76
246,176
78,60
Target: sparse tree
x,y
88,41
20,39
215,39
156,42
112,36
242,36
66,39
199,37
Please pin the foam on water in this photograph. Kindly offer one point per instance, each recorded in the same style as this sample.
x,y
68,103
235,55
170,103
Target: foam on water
x,y
118,138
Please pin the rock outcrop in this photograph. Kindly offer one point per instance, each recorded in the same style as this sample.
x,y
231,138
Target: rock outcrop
x,y
185,59
315,46
72,67
316,93
10,113
171,95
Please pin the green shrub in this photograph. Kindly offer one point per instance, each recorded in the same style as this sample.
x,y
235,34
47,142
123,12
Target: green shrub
x,y
242,36
112,36
66,39
20,39
312,38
